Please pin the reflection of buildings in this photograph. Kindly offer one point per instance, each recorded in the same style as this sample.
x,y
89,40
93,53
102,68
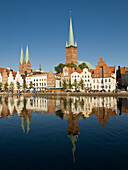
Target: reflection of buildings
x,y
103,108
122,104
71,107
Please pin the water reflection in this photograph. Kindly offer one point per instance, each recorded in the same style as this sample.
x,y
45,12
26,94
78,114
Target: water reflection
x,y
71,109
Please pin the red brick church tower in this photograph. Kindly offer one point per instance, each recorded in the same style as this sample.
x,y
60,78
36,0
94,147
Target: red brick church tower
x,y
24,65
71,48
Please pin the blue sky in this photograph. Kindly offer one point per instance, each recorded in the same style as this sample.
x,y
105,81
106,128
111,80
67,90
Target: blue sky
x,y
100,29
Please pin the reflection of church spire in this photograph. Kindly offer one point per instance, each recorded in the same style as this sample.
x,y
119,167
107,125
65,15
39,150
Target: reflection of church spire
x,y
25,117
23,124
28,125
73,139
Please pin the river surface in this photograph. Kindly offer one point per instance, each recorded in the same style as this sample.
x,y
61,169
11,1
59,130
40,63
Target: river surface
x,y
63,133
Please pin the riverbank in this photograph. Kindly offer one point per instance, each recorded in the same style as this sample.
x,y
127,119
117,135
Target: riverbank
x,y
119,94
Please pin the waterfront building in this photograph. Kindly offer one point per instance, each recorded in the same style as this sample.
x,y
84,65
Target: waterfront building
x,y
10,78
85,75
19,79
24,65
66,74
122,77
0,78
54,80
104,77
124,80
39,81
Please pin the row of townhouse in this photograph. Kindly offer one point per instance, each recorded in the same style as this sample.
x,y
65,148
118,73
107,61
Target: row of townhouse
x,y
9,76
102,77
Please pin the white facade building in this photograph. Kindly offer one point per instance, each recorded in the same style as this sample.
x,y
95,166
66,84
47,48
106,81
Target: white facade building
x,y
85,75
0,78
39,81
10,78
19,79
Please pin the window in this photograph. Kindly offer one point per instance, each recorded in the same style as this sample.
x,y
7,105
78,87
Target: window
x,y
85,76
36,79
36,84
97,87
109,80
93,81
97,71
105,80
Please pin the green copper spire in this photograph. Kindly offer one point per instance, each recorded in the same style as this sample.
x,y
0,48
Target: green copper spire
x,y
21,56
71,37
27,58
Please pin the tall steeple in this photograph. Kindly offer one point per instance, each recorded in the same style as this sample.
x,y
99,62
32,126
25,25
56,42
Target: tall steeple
x,y
71,37
71,46
21,56
27,58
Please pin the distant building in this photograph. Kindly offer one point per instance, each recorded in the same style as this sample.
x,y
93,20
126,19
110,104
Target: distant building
x,y
24,65
71,50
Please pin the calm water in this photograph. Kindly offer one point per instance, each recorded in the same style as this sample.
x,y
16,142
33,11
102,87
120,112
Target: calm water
x,y
63,133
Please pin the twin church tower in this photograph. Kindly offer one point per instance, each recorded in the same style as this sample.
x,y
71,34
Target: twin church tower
x,y
71,53
24,65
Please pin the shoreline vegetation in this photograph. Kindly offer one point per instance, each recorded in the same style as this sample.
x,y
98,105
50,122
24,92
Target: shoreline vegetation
x,y
67,94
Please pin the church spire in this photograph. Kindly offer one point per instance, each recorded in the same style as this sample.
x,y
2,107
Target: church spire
x,y
27,58
21,56
71,37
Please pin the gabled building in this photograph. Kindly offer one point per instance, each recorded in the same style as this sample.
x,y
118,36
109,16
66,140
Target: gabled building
x,y
104,77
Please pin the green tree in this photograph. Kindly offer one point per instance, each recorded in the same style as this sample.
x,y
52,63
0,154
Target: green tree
x,y
31,85
18,85
11,86
72,65
64,84
81,84
0,85
59,68
75,84
83,65
69,84
6,86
